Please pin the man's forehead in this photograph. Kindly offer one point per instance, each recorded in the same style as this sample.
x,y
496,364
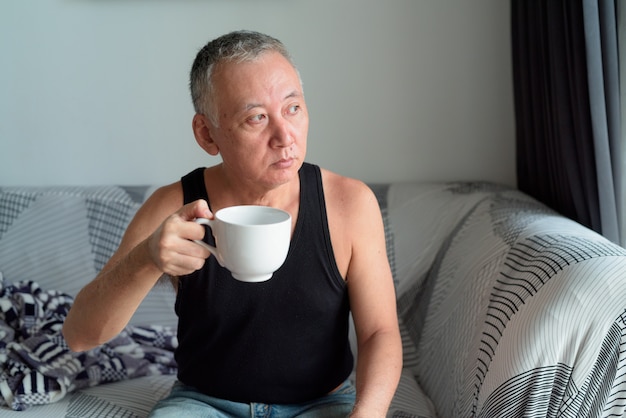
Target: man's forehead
x,y
247,85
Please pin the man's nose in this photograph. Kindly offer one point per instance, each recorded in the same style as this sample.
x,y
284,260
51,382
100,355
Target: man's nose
x,y
282,135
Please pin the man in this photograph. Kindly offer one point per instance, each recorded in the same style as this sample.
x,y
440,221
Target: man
x,y
280,346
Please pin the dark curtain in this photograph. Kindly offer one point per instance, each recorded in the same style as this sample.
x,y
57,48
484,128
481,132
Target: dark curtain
x,y
566,89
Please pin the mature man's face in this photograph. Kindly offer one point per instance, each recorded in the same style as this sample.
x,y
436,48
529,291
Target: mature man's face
x,y
263,119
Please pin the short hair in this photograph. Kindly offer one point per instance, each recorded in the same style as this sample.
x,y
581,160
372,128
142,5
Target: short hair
x,y
238,46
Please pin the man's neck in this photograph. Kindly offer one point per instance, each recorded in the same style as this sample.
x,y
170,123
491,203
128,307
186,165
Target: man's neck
x,y
225,190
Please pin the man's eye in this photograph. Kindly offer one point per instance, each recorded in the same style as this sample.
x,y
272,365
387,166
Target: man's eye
x,y
294,108
256,118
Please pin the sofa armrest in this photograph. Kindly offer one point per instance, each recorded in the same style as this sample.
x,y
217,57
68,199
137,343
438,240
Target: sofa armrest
x,y
521,313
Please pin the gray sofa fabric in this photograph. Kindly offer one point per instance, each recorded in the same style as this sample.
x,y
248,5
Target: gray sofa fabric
x,y
506,308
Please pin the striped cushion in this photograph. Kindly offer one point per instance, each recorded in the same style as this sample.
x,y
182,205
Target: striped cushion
x,y
87,224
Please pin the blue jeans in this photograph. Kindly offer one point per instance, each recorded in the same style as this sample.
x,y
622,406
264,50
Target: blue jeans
x,y
185,401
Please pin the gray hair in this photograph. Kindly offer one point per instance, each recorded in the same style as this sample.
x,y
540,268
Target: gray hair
x,y
239,46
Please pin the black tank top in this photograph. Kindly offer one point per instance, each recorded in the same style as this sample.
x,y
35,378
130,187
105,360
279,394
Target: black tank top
x,y
280,341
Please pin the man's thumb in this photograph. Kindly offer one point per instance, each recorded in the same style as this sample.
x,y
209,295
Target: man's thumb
x,y
196,209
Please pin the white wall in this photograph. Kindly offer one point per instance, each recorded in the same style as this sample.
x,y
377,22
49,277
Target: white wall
x,y
95,91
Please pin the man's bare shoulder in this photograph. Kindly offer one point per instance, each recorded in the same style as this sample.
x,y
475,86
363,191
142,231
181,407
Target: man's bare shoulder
x,y
162,203
166,199
347,193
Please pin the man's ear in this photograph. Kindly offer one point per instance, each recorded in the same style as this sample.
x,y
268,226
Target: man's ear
x,y
202,128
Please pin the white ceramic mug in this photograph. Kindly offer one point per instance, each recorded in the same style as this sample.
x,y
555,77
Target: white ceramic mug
x,y
250,241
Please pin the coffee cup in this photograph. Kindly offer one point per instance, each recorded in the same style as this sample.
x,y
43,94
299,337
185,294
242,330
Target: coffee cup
x,y
250,241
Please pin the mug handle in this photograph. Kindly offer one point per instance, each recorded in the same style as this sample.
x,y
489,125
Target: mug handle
x,y
212,249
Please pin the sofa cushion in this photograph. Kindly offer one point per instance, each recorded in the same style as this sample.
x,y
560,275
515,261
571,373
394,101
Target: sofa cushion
x,y
89,222
422,216
48,241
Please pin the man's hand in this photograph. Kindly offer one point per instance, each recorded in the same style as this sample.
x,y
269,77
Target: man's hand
x,y
171,246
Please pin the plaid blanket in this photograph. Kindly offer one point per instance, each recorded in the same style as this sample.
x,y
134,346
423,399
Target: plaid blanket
x,y
36,365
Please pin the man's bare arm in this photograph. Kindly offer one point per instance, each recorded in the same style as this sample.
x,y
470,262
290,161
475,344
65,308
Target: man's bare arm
x,y
356,219
155,243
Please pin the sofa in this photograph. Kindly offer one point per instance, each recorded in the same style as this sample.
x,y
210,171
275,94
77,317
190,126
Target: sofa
x,y
506,308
